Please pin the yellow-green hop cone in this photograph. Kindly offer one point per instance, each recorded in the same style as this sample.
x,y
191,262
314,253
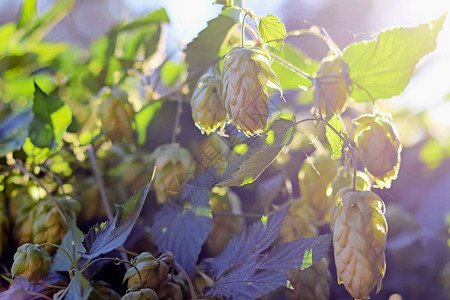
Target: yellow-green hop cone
x,y
208,110
379,146
246,74
153,272
116,115
174,166
359,240
310,284
301,221
140,294
48,224
332,89
314,176
31,261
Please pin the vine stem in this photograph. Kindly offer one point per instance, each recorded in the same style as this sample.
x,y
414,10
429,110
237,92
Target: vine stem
x,y
32,176
59,247
185,274
290,66
331,45
101,185
243,29
177,119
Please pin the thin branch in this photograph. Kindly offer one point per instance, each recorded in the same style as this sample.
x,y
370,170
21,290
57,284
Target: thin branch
x,y
99,179
32,176
177,119
290,66
191,286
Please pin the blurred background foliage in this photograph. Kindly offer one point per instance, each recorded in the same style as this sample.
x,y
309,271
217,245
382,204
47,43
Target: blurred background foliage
x,y
75,49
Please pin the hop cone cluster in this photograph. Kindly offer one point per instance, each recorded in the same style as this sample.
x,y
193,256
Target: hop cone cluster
x,y
117,115
245,75
31,261
208,110
377,140
173,167
316,173
359,240
332,89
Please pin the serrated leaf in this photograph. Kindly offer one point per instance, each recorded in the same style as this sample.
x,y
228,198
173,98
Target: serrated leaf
x,y
73,238
79,288
272,31
383,67
203,51
115,233
246,270
277,137
183,230
51,117
14,131
335,141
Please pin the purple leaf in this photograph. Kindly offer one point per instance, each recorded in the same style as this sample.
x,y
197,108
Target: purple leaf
x,y
20,289
249,268
105,238
183,230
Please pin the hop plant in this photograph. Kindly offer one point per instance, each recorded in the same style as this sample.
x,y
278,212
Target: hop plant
x,y
48,224
140,294
377,140
310,284
208,109
174,166
246,74
4,224
31,261
116,115
314,177
344,178
152,271
359,239
332,88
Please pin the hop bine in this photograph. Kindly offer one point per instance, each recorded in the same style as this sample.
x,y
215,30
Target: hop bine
x,y
359,239
208,109
377,140
246,74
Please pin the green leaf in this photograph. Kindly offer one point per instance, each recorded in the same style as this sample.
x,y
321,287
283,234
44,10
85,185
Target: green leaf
x,y
289,79
334,140
29,12
203,51
155,17
101,240
144,117
171,72
14,131
272,31
79,288
51,117
277,137
383,67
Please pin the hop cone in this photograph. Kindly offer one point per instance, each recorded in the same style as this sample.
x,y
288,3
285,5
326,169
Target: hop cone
x,y
137,171
314,177
332,89
377,141
245,76
359,239
48,224
117,115
21,206
208,110
31,261
173,167
140,294
301,221
311,283
153,272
